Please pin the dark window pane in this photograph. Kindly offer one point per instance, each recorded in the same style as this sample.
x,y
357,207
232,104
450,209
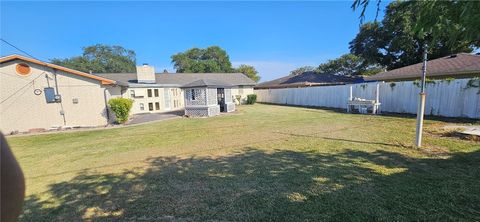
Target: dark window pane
x,y
150,106
156,92
149,92
157,105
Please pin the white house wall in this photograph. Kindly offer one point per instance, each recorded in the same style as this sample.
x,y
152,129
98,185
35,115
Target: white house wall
x,y
243,91
444,98
176,97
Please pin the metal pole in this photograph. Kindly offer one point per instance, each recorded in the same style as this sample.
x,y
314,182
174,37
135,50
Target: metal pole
x,y
421,104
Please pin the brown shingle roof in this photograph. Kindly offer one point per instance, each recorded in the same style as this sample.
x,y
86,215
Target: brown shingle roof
x,y
458,65
307,79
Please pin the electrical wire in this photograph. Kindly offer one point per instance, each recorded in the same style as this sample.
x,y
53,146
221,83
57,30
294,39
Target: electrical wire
x,y
17,48
11,95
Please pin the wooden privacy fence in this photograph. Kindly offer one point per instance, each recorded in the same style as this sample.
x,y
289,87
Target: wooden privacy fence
x,y
454,98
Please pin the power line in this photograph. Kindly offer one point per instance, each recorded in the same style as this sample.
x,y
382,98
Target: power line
x,y
10,44
21,88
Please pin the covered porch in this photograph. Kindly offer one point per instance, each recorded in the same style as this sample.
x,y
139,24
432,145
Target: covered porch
x,y
205,98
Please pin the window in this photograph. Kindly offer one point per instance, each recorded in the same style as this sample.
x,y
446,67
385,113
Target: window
x,y
167,98
149,92
156,92
132,93
150,106
193,94
142,107
157,106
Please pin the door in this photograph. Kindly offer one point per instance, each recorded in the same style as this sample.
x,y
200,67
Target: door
x,y
167,98
221,98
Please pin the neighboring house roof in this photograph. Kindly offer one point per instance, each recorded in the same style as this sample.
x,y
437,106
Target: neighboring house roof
x,y
103,80
307,79
205,83
457,65
181,79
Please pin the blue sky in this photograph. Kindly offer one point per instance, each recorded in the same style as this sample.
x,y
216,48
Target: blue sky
x,y
275,37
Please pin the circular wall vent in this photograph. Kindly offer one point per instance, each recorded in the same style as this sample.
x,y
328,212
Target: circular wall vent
x,y
23,69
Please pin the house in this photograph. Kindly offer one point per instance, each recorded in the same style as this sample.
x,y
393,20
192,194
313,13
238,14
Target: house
x,y
37,95
163,92
461,65
308,79
208,97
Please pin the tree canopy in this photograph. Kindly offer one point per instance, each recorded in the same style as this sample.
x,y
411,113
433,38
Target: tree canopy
x,y
208,60
101,58
394,42
302,70
249,71
349,65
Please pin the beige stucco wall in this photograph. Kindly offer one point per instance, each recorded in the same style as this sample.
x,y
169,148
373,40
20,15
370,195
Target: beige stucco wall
x,y
242,91
141,97
21,109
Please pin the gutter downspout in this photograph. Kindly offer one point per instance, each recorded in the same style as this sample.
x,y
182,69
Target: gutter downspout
x,y
62,112
106,105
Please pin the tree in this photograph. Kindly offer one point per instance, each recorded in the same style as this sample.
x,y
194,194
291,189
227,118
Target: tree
x,y
434,19
101,59
302,70
348,65
393,42
211,59
249,71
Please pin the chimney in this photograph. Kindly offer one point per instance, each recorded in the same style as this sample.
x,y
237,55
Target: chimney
x,y
145,74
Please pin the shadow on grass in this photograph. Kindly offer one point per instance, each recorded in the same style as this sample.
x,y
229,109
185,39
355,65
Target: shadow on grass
x,y
459,120
254,185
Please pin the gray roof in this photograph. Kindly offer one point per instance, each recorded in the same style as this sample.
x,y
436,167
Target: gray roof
x,y
308,79
181,79
205,83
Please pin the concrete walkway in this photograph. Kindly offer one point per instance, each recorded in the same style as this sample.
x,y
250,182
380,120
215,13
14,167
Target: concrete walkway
x,y
150,117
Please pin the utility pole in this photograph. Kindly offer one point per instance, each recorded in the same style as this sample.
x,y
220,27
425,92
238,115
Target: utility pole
x,y
421,104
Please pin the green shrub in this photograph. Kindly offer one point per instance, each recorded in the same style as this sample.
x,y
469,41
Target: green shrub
x,y
121,107
251,99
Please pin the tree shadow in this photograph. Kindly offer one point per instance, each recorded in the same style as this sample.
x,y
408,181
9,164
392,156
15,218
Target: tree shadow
x,y
279,185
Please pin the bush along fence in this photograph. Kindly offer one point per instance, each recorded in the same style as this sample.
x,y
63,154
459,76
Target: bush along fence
x,y
251,99
449,98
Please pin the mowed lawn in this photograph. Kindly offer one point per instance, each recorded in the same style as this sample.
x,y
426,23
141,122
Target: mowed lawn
x,y
261,163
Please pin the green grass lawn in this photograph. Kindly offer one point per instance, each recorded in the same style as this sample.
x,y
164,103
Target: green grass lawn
x,y
261,163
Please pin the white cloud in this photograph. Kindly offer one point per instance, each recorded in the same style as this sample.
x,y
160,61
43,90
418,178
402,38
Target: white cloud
x,y
269,70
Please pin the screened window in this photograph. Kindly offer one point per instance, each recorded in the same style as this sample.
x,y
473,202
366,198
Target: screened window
x,y
156,92
150,106
157,106
149,92
142,106
192,92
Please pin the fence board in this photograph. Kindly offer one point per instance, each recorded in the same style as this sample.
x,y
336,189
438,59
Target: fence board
x,y
444,98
